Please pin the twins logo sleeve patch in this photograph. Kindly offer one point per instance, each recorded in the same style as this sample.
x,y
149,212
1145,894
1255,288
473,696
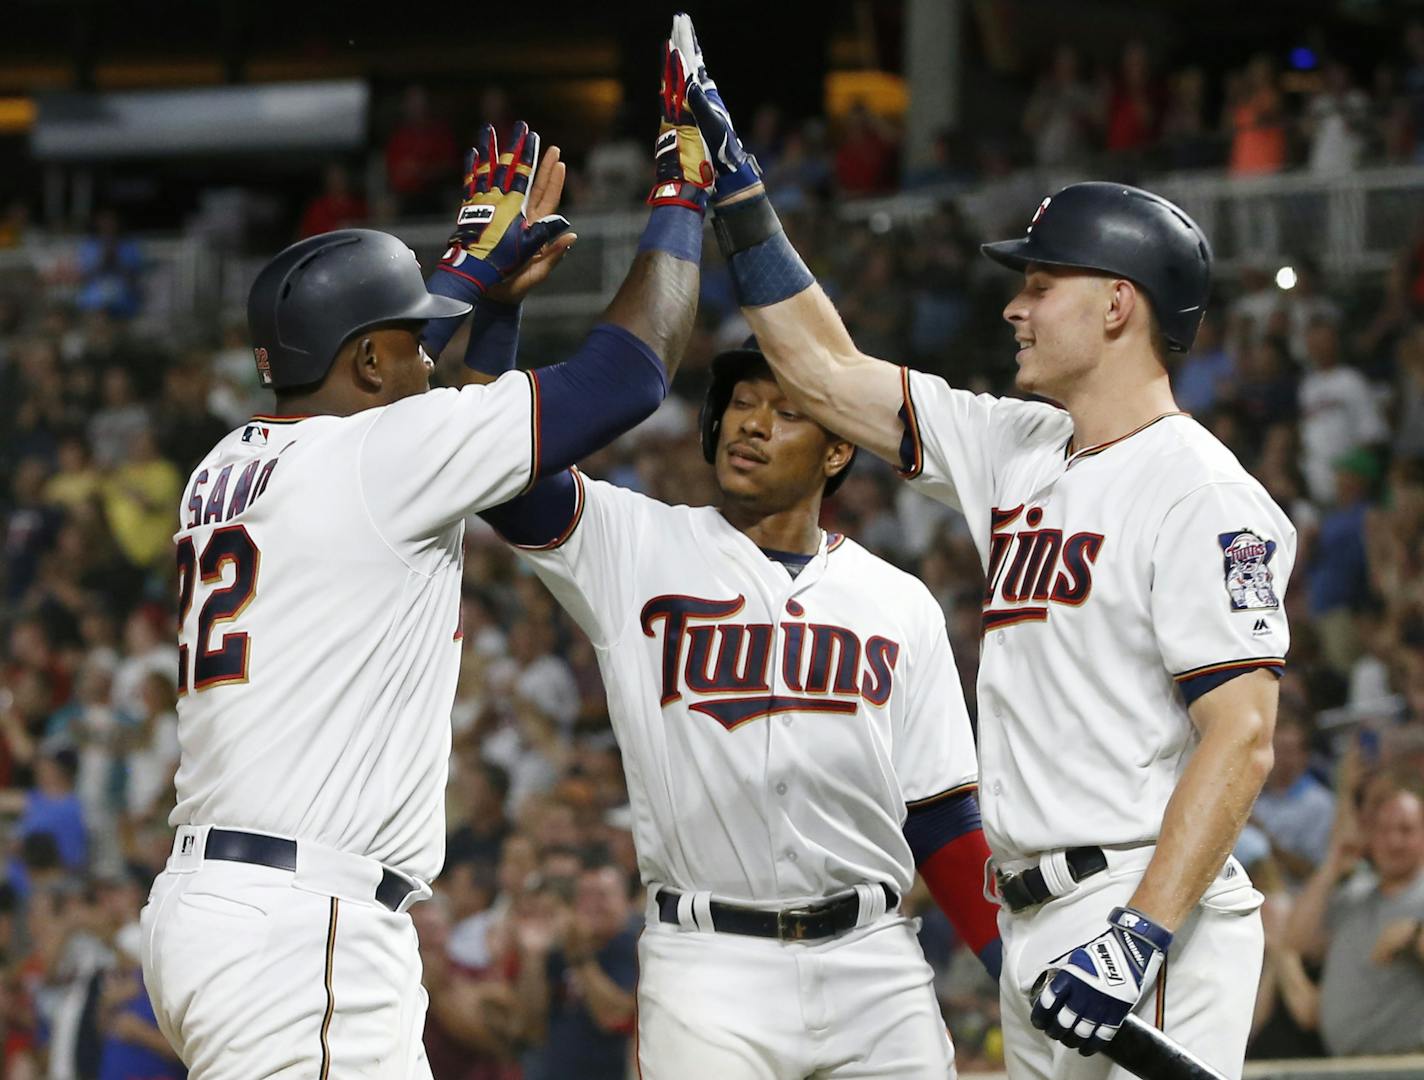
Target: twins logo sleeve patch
x,y
1246,557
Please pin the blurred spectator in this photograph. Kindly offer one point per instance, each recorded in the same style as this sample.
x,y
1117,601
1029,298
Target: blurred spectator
x,y
133,1047
1256,115
1339,412
1200,379
1187,142
337,207
185,427
578,971
1337,575
1064,115
1409,364
422,156
865,154
140,500
1414,82
1135,104
470,1021
1392,134
51,808
1305,303
1368,929
617,167
1294,809
1337,122
117,423
109,270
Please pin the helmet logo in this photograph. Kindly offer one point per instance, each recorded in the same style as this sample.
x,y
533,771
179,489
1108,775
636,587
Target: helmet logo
x,y
264,366
1039,212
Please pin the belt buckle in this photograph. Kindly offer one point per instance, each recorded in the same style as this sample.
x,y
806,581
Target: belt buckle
x,y
792,931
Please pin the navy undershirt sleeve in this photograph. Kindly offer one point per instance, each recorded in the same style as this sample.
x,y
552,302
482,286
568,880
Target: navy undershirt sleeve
x,y
929,828
542,516
613,383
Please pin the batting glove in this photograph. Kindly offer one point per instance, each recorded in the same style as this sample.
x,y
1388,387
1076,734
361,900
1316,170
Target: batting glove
x,y
1087,993
736,169
492,238
684,175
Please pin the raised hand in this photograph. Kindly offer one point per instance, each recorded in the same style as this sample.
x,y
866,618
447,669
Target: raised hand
x,y
682,172
736,169
493,238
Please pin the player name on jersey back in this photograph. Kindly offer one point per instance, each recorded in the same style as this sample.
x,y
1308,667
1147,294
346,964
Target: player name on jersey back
x,y
319,564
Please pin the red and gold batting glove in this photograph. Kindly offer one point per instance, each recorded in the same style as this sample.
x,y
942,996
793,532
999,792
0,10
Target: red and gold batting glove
x,y
684,173
492,238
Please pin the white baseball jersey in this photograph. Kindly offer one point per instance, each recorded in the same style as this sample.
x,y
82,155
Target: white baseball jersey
x,y
773,727
1113,574
319,572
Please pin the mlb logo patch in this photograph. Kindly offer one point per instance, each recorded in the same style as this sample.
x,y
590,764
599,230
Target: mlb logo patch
x,y
480,214
1246,558
256,434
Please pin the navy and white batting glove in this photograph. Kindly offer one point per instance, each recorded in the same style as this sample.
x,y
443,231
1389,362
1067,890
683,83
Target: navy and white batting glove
x,y
736,169
492,238
1083,997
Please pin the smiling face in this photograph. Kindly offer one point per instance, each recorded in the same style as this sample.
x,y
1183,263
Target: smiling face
x,y
770,456
1059,319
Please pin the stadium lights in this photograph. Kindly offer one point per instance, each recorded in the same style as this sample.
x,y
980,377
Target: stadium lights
x,y
1285,277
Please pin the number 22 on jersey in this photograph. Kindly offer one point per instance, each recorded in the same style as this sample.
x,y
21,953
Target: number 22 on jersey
x,y
226,661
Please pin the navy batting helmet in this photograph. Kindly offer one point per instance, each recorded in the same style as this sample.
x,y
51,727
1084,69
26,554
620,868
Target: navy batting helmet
x,y
1127,232
727,368
314,295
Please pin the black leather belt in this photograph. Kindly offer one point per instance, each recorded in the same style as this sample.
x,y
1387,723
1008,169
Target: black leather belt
x,y
1028,889
813,922
229,845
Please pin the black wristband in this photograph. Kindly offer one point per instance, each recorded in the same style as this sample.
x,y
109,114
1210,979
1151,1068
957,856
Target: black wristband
x,y
745,224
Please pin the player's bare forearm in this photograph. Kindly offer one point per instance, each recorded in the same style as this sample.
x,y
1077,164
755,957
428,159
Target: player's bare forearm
x,y
818,365
657,303
1213,798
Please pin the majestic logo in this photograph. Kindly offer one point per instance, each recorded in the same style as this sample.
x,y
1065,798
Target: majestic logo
x,y
1034,567
479,214
264,365
727,666
1245,559
1039,212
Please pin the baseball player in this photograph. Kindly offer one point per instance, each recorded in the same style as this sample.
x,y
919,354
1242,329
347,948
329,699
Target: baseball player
x,y
1133,610
319,565
795,742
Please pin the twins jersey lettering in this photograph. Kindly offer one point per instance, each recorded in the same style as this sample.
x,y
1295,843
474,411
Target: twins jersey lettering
x,y
773,728
1113,575
319,574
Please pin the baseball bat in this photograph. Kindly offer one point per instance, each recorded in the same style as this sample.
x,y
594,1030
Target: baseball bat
x,y
1148,1053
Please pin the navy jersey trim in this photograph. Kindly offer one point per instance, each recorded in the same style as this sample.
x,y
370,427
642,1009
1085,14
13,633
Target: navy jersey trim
x,y
1079,455
912,449
1201,680
574,519
948,793
534,429
264,418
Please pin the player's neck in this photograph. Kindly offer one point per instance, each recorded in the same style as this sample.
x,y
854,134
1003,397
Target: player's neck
x,y
1101,415
796,530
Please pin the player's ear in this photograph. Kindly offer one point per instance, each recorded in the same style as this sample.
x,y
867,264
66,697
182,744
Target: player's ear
x,y
1122,300
368,364
837,456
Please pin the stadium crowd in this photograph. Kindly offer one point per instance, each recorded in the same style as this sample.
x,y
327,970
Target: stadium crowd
x,y
529,944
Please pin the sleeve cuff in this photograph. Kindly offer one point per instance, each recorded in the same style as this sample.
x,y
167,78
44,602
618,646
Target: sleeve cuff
x,y
912,450
1198,681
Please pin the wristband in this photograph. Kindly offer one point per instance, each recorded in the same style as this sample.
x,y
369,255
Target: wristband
x,y
745,224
